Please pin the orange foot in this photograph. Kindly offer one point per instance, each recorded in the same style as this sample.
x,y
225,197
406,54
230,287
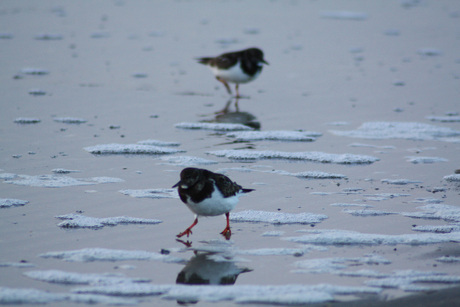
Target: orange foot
x,y
188,231
227,233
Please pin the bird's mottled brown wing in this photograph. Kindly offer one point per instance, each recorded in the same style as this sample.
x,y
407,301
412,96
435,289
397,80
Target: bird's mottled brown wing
x,y
223,61
226,186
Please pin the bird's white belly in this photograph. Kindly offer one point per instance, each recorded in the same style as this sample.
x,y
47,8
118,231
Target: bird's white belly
x,y
215,205
234,74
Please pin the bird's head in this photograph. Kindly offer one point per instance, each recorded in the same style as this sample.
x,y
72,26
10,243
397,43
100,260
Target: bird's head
x,y
258,54
189,177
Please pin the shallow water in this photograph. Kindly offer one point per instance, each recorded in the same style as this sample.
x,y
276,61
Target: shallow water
x,y
376,80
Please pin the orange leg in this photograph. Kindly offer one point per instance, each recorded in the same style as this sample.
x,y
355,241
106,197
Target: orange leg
x,y
226,85
237,92
188,231
227,233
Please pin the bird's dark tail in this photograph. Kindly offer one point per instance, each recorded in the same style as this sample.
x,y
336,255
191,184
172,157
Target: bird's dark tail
x,y
204,60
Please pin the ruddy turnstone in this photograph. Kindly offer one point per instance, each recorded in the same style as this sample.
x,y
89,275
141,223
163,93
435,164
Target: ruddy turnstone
x,y
236,67
208,194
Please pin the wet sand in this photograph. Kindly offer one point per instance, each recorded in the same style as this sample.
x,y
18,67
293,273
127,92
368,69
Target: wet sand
x,y
77,75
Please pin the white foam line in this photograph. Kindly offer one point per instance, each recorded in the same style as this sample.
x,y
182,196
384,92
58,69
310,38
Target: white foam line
x,y
11,202
343,237
213,126
305,156
400,130
73,220
103,254
277,217
134,149
278,135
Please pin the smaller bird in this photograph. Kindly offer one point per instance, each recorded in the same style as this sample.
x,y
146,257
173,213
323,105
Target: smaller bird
x,y
236,67
208,194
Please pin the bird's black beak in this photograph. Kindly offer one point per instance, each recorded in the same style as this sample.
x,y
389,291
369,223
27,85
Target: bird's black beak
x,y
265,62
177,184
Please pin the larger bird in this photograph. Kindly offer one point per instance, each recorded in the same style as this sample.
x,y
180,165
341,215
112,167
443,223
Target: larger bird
x,y
208,194
236,67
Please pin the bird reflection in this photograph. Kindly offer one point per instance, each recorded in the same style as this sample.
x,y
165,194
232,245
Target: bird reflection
x,y
235,117
209,269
